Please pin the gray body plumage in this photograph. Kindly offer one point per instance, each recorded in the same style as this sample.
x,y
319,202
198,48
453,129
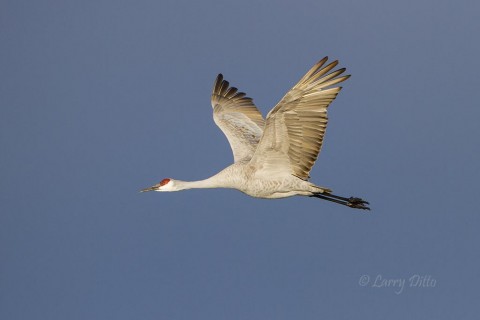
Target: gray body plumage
x,y
246,178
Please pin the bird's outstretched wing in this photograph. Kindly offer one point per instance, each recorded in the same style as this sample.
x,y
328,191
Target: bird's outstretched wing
x,y
295,127
238,118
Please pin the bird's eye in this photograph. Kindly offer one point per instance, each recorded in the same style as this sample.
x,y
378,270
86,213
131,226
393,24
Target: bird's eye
x,y
164,182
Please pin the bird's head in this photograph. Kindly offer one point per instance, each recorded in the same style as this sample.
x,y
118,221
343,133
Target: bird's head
x,y
166,184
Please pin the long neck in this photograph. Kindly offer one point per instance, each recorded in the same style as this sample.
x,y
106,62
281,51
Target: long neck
x,y
230,177
211,182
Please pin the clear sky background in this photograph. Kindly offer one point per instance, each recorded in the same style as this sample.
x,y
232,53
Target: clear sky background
x,y
99,99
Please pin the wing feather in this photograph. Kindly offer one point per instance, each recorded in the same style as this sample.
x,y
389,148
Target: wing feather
x,y
295,127
238,117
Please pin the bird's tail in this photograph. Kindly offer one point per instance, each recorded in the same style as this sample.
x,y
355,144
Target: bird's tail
x,y
319,189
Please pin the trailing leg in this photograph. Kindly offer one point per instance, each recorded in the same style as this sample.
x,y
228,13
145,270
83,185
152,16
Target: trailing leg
x,y
351,202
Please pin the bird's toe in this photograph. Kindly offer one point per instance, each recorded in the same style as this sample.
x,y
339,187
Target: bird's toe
x,y
358,203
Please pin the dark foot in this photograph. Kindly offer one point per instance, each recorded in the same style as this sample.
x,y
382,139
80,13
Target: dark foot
x,y
357,203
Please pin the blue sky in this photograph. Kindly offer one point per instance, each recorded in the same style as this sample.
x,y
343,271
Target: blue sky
x,y
99,99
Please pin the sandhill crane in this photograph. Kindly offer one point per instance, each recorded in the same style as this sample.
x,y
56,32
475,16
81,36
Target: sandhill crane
x,y
273,157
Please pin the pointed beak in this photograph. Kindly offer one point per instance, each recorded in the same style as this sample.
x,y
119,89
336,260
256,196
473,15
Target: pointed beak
x,y
149,189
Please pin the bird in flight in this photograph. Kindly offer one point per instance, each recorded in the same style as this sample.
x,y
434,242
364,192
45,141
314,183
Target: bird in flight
x,y
273,157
